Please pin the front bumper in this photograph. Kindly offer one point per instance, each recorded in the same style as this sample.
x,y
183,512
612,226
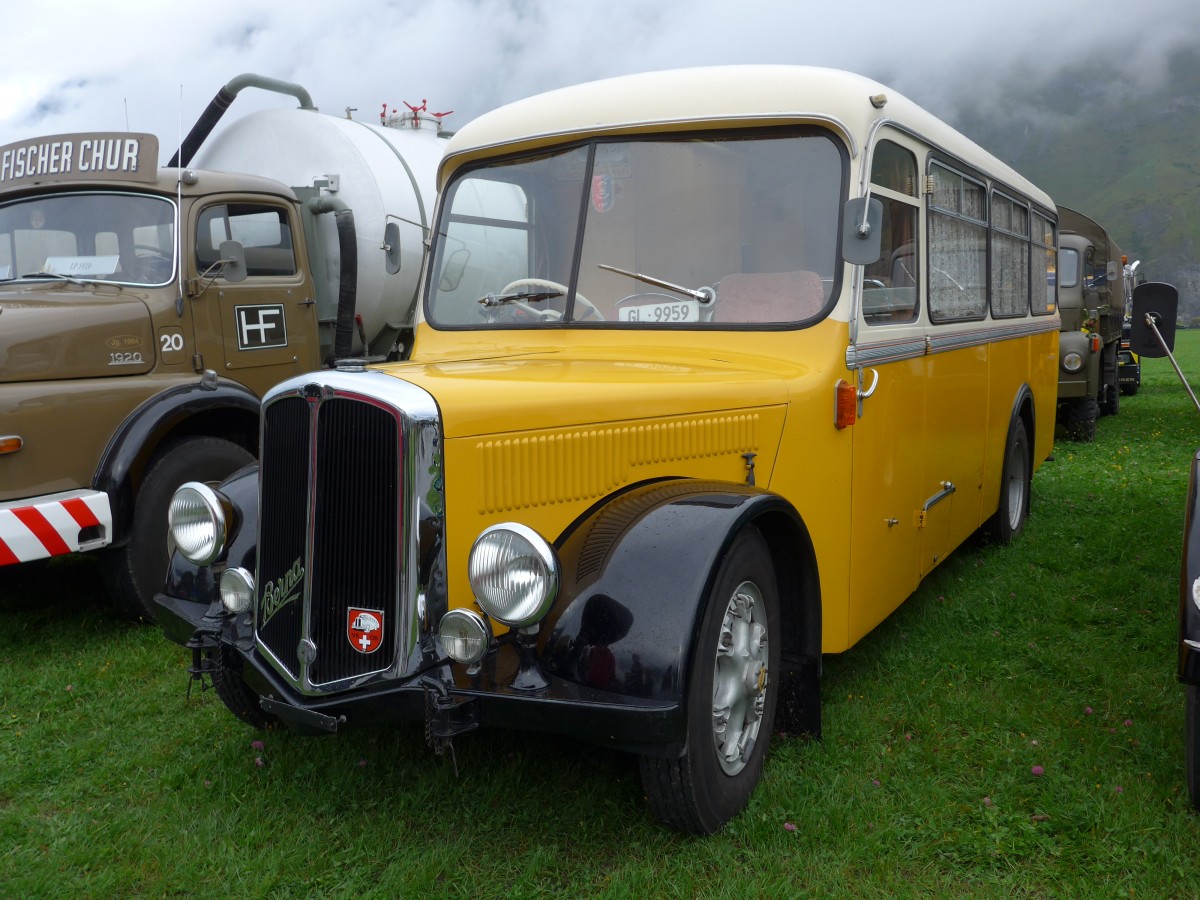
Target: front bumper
x,y
54,525
447,696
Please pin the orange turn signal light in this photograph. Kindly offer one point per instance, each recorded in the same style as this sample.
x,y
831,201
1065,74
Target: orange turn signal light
x,y
1095,343
846,405
10,443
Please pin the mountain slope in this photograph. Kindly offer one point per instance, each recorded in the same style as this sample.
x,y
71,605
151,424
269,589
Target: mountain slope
x,y
1127,155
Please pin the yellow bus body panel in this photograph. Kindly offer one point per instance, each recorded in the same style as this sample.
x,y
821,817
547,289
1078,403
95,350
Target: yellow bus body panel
x,y
584,416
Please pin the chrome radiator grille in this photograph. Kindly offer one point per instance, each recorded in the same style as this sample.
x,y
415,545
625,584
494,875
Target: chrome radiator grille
x,y
330,511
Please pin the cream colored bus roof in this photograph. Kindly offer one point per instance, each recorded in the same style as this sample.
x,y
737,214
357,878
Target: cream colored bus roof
x,y
719,96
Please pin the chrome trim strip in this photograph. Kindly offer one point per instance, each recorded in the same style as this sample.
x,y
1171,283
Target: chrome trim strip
x,y
891,351
936,341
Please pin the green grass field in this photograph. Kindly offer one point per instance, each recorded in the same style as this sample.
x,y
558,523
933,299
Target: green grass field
x,y
1057,652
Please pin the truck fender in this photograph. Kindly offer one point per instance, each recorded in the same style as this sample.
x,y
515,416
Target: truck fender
x,y
1073,340
209,406
636,573
1189,610
1080,343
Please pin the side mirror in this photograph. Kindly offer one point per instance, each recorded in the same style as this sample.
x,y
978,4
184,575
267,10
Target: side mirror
x,y
1161,302
862,241
233,261
391,248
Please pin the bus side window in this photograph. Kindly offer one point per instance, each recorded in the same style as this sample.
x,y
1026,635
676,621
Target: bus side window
x,y
890,284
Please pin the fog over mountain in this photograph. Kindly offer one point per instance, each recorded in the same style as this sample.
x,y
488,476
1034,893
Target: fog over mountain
x,y
1021,77
70,65
1123,153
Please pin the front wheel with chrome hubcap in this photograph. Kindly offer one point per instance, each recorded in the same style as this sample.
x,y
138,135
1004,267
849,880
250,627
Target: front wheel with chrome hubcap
x,y
740,677
731,697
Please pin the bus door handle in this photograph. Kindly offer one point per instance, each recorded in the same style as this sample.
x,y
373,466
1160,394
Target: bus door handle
x,y
863,395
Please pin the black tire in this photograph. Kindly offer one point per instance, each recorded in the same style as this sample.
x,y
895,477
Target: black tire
x,y
1131,389
1112,385
135,571
1079,419
1112,404
1192,744
702,789
1009,521
237,696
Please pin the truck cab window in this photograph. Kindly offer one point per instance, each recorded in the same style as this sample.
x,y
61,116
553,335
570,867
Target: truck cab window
x,y
262,230
122,237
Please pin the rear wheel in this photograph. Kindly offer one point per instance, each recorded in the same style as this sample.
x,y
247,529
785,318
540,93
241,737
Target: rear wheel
x,y
1009,520
731,698
1112,384
135,572
1079,419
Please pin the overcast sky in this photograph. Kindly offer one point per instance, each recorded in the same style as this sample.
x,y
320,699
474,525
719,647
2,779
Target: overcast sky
x,y
153,65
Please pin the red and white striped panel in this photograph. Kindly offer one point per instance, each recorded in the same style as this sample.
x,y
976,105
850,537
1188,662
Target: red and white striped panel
x,y
50,525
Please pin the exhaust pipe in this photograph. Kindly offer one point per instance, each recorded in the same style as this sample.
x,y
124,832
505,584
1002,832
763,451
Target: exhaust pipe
x,y
216,109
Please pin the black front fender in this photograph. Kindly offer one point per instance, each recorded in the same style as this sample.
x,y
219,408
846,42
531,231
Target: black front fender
x,y
192,590
636,575
1189,613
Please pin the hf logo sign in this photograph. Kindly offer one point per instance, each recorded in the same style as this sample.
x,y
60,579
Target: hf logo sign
x,y
260,327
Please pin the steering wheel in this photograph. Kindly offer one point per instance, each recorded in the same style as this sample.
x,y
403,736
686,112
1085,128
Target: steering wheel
x,y
590,310
149,263
150,252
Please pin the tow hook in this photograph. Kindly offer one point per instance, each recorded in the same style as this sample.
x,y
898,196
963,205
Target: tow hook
x,y
203,666
446,717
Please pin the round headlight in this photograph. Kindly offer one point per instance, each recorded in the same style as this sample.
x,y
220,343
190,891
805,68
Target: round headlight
x,y
514,574
464,635
237,589
1072,361
197,522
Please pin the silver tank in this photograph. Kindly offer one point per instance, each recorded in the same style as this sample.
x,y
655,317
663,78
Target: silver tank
x,y
378,172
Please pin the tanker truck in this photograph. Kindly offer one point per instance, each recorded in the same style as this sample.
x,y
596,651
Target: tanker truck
x,y
145,310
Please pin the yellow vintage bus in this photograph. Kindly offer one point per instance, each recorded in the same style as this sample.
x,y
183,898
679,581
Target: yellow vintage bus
x,y
714,366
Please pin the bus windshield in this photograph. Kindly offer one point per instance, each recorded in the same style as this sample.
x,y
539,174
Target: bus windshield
x,y
703,231
119,237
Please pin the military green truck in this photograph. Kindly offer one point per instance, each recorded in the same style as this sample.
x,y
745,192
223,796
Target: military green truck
x,y
1091,301
144,310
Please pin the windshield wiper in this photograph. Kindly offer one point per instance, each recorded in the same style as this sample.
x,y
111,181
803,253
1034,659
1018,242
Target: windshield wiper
x,y
490,299
82,282
704,294
69,278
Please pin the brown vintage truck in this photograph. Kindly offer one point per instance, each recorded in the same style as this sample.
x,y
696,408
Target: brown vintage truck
x,y
144,310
